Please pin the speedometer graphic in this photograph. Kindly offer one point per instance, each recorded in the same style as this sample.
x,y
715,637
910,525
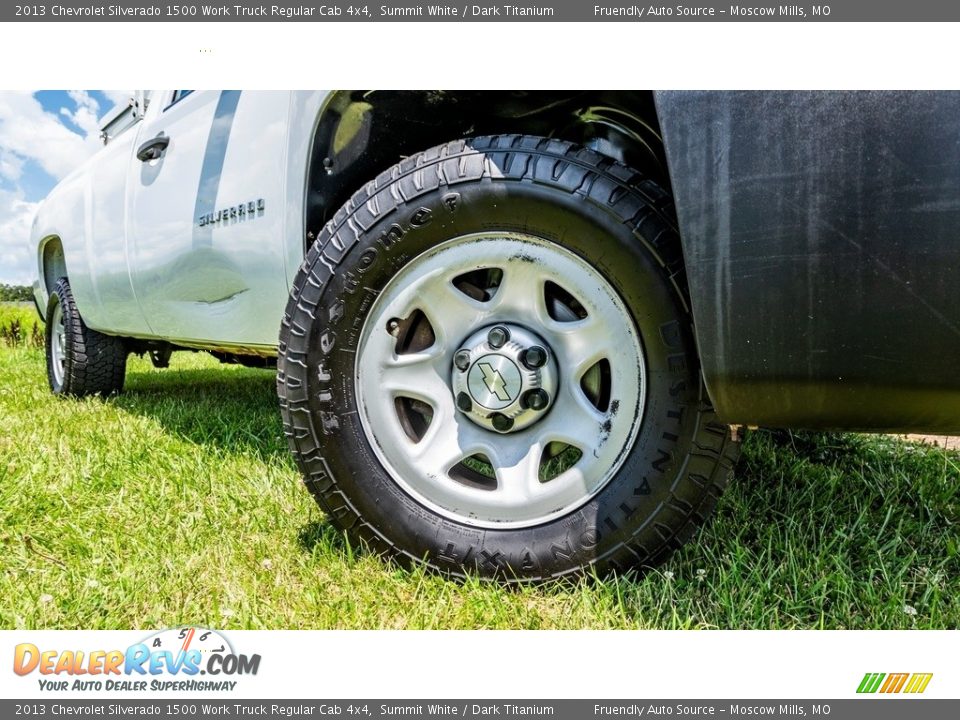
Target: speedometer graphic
x,y
188,637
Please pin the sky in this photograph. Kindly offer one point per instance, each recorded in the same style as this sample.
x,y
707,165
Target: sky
x,y
43,136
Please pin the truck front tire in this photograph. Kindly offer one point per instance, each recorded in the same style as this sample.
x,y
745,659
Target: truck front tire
x,y
80,361
487,365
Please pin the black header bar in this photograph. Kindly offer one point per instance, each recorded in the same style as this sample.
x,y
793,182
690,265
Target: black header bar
x,y
489,11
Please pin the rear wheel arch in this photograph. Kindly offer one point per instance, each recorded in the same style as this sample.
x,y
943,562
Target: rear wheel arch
x,y
53,262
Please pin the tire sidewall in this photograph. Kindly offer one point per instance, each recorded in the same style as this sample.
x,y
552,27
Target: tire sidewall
x,y
55,301
626,506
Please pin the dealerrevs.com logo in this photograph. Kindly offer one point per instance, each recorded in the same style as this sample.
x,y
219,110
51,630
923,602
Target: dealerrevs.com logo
x,y
168,660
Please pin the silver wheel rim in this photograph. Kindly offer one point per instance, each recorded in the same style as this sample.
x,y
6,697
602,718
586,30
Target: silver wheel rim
x,y
57,344
437,464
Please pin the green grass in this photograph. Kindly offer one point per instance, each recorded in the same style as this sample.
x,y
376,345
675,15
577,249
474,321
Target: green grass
x,y
20,325
177,502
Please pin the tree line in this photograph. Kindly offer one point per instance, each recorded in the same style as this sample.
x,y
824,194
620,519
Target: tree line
x,y
15,293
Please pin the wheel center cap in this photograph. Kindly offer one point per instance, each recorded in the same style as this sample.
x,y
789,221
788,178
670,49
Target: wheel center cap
x,y
494,381
504,377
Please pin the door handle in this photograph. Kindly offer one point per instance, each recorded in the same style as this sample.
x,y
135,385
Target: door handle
x,y
153,148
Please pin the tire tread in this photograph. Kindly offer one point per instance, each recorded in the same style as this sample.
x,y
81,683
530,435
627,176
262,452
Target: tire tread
x,y
94,363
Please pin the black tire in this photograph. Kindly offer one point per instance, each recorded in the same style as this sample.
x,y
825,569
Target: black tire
x,y
93,363
682,457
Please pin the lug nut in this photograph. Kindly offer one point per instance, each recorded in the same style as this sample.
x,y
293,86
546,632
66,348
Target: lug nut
x,y
498,337
462,360
534,357
501,422
536,399
464,402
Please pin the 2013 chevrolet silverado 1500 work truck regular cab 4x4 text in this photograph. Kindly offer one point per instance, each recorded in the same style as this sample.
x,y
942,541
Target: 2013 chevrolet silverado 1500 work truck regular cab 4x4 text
x,y
512,329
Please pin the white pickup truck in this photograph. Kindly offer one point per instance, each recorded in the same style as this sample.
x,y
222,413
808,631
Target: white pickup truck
x,y
497,349
478,358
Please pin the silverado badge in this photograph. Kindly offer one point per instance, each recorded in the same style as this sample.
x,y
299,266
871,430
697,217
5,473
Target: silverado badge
x,y
234,213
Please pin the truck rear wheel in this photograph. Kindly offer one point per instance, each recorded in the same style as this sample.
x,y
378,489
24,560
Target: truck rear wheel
x,y
80,361
487,365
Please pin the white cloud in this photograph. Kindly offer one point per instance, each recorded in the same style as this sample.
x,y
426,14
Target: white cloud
x,y
83,99
29,131
11,165
117,97
16,258
87,113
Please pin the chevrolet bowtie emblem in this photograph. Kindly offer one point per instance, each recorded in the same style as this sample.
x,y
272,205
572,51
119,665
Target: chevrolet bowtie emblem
x,y
494,382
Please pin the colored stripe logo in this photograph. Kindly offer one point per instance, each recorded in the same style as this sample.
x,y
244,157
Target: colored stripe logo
x,y
913,683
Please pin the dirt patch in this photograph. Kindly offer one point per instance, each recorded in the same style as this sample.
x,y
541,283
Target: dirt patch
x,y
950,442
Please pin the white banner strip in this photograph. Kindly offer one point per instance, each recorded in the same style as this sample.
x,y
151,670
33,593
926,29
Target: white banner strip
x,y
460,664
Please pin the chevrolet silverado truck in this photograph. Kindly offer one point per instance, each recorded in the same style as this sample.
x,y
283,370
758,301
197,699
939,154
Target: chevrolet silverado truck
x,y
513,330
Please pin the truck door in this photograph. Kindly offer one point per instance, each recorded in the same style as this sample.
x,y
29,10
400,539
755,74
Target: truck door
x,y
105,292
206,217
